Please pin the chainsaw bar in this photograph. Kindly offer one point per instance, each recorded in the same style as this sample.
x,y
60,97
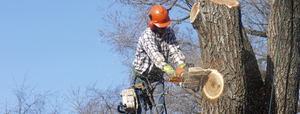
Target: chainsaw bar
x,y
210,80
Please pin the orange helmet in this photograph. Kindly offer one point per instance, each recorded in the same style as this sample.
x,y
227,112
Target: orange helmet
x,y
159,17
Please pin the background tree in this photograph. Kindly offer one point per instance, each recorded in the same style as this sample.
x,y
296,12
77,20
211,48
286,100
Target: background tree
x,y
94,101
29,101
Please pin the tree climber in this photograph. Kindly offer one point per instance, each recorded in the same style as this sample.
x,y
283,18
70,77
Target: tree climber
x,y
156,44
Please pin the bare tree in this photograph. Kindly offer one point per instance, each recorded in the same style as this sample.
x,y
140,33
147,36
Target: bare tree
x,y
28,101
94,101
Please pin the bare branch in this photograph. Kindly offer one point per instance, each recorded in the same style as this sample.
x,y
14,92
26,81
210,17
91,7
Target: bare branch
x,y
182,7
180,20
172,5
262,13
255,32
189,3
188,43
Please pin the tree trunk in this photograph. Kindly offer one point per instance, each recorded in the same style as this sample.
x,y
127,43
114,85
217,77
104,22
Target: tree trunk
x,y
225,47
288,65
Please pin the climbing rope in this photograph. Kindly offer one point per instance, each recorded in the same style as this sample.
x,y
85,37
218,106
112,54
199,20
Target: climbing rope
x,y
276,58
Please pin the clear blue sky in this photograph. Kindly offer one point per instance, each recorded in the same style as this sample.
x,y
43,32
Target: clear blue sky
x,y
56,44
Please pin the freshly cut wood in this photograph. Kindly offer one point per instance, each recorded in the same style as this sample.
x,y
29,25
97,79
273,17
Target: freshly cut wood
x,y
229,3
194,11
214,86
196,7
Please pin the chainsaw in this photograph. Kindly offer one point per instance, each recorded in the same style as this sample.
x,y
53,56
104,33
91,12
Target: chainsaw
x,y
193,78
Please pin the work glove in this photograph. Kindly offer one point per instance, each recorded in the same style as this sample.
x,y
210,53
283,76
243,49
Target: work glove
x,y
179,71
181,65
170,71
174,77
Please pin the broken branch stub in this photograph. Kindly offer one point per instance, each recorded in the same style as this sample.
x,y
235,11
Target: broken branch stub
x,y
196,7
194,11
229,3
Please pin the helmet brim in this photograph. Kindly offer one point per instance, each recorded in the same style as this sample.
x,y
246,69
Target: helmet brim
x,y
162,25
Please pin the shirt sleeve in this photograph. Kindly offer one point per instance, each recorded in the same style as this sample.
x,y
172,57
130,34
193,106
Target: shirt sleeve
x,y
150,46
175,53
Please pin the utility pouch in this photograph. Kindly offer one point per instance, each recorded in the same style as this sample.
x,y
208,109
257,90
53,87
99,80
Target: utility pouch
x,y
155,75
139,77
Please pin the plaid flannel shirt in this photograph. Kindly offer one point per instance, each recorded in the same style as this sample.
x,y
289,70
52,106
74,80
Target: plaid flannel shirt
x,y
153,51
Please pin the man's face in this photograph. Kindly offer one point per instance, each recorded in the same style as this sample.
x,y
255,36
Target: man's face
x,y
161,30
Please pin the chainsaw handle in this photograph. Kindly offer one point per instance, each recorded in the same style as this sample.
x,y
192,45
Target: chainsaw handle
x,y
121,108
176,79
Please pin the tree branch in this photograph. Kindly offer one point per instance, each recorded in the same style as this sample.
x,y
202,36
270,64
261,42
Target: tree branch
x,y
188,43
189,3
255,32
179,20
182,7
172,5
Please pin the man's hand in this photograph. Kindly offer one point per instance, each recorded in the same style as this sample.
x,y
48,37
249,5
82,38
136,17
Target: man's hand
x,y
180,69
170,71
178,78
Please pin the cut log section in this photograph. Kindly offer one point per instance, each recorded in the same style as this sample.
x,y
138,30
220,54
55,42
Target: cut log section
x,y
214,86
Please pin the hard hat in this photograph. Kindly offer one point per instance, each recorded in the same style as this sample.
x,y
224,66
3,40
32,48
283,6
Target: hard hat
x,y
159,17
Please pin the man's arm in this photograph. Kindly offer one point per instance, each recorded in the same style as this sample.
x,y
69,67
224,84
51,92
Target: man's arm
x,y
175,53
149,45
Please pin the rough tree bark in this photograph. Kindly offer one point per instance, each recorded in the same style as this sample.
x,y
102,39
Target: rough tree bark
x,y
225,47
288,65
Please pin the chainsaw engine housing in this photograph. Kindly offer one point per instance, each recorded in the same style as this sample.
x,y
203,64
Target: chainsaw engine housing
x,y
193,77
129,101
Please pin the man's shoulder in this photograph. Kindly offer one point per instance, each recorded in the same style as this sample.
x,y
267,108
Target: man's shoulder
x,y
147,33
170,30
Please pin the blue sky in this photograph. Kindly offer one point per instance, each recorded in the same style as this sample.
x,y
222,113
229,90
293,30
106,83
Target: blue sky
x,y
56,44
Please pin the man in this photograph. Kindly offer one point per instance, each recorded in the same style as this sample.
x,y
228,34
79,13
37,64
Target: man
x,y
156,44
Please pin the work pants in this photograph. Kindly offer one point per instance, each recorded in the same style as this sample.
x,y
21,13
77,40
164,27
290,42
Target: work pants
x,y
156,89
